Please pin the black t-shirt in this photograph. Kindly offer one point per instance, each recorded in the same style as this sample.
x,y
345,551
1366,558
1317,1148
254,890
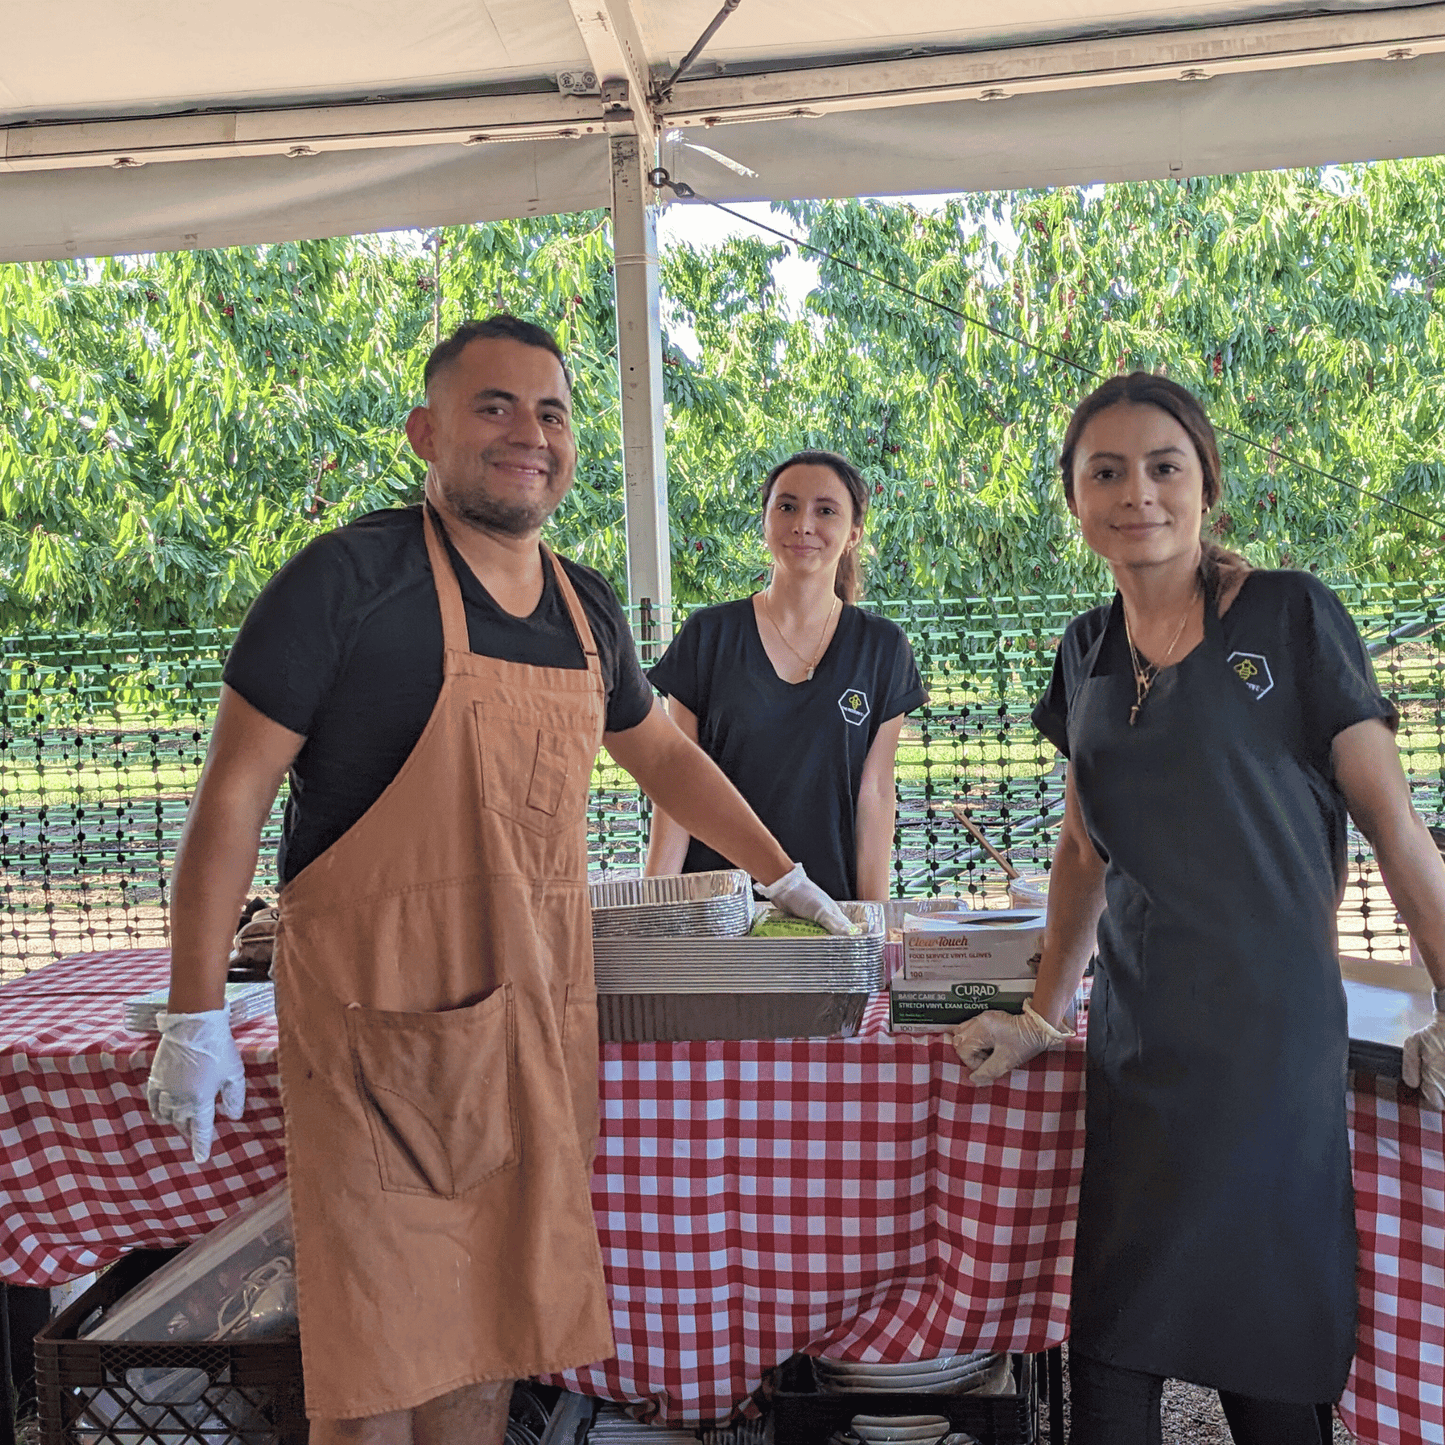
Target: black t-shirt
x,y
1285,631
344,645
1295,649
795,751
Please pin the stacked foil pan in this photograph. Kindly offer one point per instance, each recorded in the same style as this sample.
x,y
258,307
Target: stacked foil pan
x,y
751,965
613,1426
690,905
663,988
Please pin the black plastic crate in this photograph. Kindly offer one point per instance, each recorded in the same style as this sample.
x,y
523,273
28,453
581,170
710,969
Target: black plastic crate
x,y
802,1415
132,1392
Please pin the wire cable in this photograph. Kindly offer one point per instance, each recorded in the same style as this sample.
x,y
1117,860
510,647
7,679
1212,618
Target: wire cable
x,y
683,191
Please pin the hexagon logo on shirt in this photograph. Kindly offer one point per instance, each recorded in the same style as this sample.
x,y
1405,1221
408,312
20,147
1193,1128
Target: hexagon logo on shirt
x,y
1252,669
854,705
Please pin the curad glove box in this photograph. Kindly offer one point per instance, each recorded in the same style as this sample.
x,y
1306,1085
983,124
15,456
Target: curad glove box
x,y
928,1005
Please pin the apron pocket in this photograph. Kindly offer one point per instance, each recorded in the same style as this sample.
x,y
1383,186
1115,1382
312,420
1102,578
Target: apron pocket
x,y
535,766
549,774
580,1055
437,1089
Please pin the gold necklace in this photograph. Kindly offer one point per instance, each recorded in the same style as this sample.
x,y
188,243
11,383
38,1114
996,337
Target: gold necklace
x,y
811,666
1145,671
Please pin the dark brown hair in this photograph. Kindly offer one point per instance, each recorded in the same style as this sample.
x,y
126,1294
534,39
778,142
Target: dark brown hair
x,y
1143,388
502,327
847,583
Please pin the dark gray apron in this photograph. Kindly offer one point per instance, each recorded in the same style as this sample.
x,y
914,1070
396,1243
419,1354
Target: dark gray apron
x,y
1216,1234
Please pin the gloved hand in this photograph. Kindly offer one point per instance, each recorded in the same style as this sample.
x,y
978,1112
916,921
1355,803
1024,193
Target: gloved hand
x,y
992,1043
195,1060
1423,1064
797,894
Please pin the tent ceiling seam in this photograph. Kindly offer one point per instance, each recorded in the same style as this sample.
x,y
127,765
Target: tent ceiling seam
x,y
614,42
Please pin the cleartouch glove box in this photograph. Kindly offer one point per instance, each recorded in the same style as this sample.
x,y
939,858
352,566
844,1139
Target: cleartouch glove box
x,y
988,944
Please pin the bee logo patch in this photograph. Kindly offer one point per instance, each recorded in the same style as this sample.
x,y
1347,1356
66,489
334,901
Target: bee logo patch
x,y
1252,669
854,706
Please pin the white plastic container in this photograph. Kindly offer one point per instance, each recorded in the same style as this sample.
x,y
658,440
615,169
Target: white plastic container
x,y
895,910
238,1282
1029,892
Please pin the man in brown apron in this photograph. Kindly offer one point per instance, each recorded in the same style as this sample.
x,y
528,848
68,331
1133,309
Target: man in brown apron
x,y
433,959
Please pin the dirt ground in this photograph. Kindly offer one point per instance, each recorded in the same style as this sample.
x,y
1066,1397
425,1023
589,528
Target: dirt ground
x,y
1191,1416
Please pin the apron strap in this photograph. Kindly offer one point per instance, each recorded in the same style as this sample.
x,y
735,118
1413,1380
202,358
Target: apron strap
x,y
574,610
1213,626
1112,623
455,637
1213,622
449,590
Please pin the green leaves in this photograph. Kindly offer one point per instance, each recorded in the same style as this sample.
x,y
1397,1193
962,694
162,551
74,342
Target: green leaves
x,y
146,410
172,428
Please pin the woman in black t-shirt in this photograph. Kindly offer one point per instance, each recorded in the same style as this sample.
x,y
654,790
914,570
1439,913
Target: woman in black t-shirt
x,y
1219,723
797,694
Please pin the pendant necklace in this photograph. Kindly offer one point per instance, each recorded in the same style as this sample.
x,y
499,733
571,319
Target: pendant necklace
x,y
1145,671
811,666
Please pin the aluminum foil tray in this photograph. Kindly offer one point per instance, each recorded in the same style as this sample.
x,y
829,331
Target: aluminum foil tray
x,y
639,1018
688,905
614,1427
747,965
895,910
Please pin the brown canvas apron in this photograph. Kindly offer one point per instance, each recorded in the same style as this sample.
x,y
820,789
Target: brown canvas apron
x,y
438,1024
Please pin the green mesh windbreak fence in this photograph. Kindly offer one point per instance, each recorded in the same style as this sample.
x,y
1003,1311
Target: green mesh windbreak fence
x,y
102,740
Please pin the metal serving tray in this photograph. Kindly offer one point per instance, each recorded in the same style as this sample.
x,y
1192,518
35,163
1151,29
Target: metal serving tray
x,y
688,905
820,965
638,1018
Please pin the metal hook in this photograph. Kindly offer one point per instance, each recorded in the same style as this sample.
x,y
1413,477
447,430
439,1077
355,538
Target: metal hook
x,y
659,179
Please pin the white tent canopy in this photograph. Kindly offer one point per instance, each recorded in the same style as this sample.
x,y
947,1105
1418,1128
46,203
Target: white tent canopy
x,y
134,125
145,125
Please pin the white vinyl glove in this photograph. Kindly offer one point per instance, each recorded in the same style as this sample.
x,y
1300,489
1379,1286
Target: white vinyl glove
x,y
1423,1063
797,894
992,1043
195,1060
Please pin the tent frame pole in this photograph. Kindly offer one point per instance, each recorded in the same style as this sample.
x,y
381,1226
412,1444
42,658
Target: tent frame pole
x,y
639,367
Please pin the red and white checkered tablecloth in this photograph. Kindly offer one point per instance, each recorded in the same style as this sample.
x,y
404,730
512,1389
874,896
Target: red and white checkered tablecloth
x,y
759,1198
1396,1394
88,1175
753,1199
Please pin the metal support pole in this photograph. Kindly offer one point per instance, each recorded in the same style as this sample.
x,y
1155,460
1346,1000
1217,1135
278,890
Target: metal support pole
x,y
639,365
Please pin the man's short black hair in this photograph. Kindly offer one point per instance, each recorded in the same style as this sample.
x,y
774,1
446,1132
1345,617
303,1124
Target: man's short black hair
x,y
501,326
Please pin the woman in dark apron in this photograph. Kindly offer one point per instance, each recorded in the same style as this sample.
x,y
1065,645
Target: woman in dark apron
x,y
1219,723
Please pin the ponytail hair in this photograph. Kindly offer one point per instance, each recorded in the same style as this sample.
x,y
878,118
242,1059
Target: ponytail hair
x,y
847,581
1221,569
